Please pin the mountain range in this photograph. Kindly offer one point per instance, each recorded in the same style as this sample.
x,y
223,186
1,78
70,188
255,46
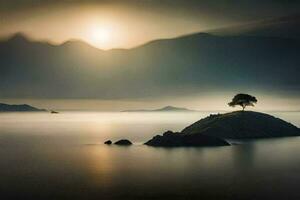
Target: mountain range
x,y
216,61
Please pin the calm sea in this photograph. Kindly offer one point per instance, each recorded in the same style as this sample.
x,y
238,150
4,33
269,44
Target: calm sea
x,y
62,156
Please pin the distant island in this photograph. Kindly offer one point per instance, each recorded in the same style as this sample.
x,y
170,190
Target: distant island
x,y
215,130
19,108
164,109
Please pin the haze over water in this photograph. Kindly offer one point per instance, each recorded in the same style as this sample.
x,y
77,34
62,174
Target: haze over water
x,y
62,156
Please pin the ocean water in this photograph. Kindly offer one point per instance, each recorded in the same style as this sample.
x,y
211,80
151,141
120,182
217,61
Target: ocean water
x,y
49,156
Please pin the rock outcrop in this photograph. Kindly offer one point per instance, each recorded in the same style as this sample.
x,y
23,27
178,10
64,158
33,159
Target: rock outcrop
x,y
171,139
123,142
108,142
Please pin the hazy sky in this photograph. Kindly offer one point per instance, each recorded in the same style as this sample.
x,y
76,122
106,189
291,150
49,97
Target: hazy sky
x,y
151,76
214,101
126,23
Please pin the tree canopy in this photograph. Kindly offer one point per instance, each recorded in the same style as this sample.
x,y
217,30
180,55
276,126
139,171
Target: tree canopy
x,y
243,100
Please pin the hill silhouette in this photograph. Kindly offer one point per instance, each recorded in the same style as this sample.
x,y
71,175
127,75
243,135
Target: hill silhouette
x,y
242,125
19,108
214,130
163,109
199,62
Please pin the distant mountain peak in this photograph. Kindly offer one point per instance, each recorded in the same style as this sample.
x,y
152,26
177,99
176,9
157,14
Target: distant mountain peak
x,y
71,42
77,43
172,108
199,34
19,37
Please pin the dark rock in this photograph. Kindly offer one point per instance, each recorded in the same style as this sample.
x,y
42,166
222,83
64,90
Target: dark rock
x,y
123,142
108,142
171,139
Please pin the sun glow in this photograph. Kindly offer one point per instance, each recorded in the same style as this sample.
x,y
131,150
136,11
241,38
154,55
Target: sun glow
x,y
100,35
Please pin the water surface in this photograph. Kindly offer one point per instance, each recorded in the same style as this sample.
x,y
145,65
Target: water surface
x,y
47,156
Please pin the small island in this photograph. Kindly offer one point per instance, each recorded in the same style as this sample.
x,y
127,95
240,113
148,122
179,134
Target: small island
x,y
216,129
19,108
163,109
122,142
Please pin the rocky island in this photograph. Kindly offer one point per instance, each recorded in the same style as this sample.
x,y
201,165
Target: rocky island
x,y
19,108
123,142
171,139
215,129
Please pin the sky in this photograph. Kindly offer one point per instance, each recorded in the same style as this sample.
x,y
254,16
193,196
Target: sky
x,y
197,72
110,24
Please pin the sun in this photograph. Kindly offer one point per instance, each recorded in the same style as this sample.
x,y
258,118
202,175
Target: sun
x,y
100,35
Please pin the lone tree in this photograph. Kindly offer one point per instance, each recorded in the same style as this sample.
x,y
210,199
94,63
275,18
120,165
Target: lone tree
x,y
243,100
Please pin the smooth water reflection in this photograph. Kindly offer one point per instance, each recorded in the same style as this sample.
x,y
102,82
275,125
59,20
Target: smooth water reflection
x,y
62,157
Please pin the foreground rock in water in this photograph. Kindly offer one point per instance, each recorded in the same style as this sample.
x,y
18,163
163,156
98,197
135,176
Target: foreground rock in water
x,y
242,125
215,129
123,142
171,139
108,142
